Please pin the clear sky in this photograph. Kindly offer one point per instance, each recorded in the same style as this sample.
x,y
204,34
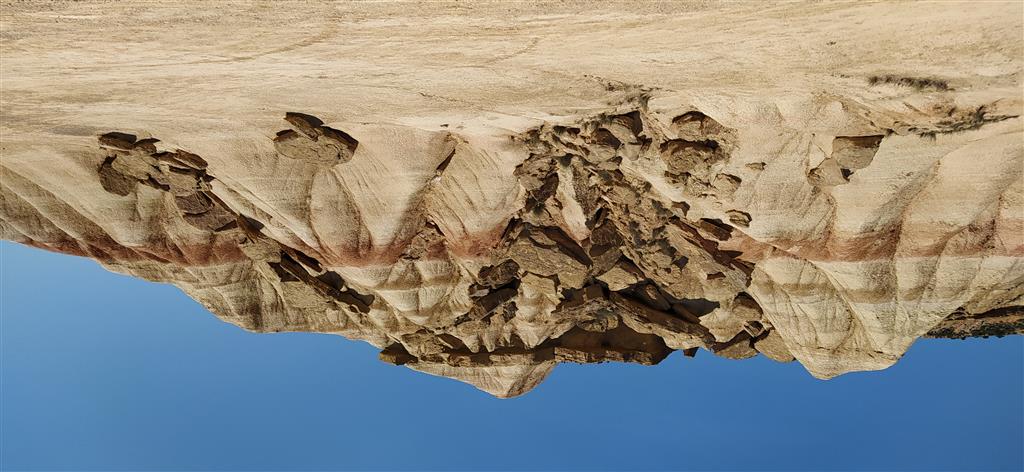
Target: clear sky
x,y
103,371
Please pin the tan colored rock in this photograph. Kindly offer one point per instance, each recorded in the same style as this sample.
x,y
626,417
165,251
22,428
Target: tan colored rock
x,y
484,206
740,347
773,347
620,277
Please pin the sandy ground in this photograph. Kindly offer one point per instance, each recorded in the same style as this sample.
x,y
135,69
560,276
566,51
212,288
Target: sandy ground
x,y
80,68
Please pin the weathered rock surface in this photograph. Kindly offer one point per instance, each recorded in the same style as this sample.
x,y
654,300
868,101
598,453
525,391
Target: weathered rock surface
x,y
581,187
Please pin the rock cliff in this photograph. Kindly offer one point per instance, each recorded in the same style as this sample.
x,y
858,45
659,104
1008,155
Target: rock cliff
x,y
484,193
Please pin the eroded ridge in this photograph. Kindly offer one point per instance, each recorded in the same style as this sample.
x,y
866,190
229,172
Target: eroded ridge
x,y
594,268
591,269
131,162
629,235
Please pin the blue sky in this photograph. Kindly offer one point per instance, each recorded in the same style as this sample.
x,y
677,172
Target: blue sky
x,y
102,371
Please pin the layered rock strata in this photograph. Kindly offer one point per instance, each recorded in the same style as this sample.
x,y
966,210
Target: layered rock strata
x,y
486,215
621,236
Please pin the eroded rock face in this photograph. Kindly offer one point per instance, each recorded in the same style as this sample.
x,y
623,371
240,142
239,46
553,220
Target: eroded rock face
x,y
830,219
627,235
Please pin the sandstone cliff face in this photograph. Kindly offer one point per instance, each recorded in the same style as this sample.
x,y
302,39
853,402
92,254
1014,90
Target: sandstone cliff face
x,y
810,200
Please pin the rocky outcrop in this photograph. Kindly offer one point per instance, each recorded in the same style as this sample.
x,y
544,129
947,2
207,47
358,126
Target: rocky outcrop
x,y
999,322
824,224
630,234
